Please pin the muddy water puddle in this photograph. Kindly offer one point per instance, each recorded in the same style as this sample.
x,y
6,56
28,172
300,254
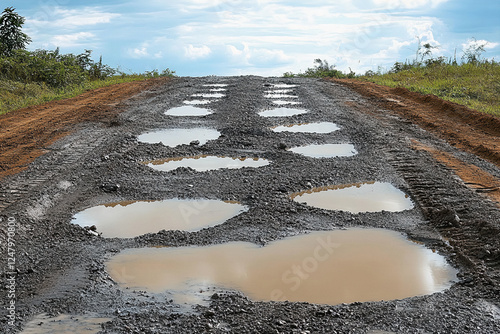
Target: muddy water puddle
x,y
134,218
209,95
284,102
188,110
278,91
331,267
283,85
356,198
282,112
320,127
195,102
280,96
326,150
202,163
215,85
64,323
175,137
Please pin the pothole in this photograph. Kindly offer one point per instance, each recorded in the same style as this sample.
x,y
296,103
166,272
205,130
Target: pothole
x,y
325,150
283,85
280,96
343,266
215,85
282,112
284,102
356,198
65,323
203,163
178,136
209,95
320,127
188,110
278,91
134,218
201,102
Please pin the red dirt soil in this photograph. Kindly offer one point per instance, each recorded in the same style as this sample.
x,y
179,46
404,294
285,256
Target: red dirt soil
x,y
25,133
467,129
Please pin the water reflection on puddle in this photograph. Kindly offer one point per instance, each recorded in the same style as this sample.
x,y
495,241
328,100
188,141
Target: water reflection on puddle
x,y
321,127
283,102
203,163
198,101
78,324
175,137
134,218
283,85
215,85
209,95
326,150
321,267
356,198
188,110
280,96
278,91
282,112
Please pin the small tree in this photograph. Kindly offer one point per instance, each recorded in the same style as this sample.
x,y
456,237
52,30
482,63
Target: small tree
x,y
423,51
11,36
472,54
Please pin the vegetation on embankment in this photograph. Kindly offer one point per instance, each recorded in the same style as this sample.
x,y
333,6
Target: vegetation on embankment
x,y
33,77
475,85
472,81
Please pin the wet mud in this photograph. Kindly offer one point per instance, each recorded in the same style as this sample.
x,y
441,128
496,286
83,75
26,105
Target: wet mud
x,y
61,268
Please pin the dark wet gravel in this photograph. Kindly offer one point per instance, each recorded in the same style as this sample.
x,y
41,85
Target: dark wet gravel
x,y
60,266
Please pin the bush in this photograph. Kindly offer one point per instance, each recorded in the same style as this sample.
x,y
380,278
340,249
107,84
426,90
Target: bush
x,y
52,68
321,70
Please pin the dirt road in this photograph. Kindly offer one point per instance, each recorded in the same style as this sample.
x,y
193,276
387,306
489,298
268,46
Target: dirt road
x,y
94,157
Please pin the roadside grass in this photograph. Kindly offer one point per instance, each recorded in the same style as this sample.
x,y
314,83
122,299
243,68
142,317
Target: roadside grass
x,y
475,85
15,95
34,77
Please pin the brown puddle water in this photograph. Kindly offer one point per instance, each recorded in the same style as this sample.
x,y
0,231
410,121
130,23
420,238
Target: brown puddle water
x,y
202,163
134,218
356,198
326,150
188,110
321,127
64,323
282,112
330,267
175,137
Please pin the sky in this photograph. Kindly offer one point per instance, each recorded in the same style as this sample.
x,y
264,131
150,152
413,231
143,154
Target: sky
x,y
258,37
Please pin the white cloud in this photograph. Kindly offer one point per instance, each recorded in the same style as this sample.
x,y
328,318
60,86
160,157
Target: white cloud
x,y
70,40
70,18
138,52
394,4
192,52
473,43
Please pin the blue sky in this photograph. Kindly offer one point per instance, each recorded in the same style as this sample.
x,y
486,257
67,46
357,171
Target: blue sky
x,y
261,37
